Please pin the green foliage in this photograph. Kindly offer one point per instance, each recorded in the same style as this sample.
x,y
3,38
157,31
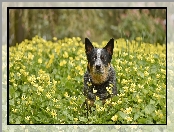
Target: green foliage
x,y
46,83
135,23
92,23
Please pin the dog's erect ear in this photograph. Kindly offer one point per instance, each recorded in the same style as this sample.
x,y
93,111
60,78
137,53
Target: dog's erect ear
x,y
88,46
110,46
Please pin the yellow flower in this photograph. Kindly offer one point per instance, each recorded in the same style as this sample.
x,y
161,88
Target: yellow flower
x,y
97,98
128,118
57,49
40,88
114,103
163,71
139,57
120,74
138,38
48,95
125,54
119,68
130,63
158,76
135,68
124,81
66,94
149,79
94,91
114,118
75,108
18,74
89,84
99,108
53,113
109,89
126,89
69,77
40,60
54,38
146,73
152,60
30,56
108,101
54,82
147,68
47,109
23,97
131,57
78,67
159,113
75,119
133,85
140,86
139,100
128,110
27,118
14,110
81,72
65,55
62,63
77,58
119,101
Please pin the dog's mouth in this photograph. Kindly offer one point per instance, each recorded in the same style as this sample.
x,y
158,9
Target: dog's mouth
x,y
99,75
98,70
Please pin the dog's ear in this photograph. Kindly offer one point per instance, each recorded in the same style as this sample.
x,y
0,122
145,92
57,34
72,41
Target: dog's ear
x,y
88,45
110,46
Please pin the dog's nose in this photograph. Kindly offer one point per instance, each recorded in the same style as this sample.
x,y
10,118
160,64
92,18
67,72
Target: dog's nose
x,y
98,67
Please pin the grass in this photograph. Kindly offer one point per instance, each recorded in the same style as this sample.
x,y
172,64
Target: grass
x,y
46,83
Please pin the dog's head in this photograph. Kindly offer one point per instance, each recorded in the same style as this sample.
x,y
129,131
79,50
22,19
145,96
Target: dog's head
x,y
99,60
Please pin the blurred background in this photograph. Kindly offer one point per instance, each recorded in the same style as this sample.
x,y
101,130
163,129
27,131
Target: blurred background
x,y
96,24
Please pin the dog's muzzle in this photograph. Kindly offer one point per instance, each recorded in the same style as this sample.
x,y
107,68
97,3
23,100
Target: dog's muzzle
x,y
98,67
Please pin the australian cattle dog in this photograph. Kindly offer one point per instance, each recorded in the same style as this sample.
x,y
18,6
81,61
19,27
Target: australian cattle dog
x,y
99,79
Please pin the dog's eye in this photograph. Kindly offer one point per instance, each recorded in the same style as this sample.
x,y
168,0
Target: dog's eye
x,y
102,57
95,57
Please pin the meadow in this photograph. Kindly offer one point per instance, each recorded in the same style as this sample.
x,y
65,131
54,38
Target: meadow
x,y
46,83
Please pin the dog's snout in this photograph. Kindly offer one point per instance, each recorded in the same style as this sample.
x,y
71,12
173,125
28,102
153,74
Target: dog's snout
x,y
98,66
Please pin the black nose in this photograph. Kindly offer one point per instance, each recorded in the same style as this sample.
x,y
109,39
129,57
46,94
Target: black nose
x,y
98,67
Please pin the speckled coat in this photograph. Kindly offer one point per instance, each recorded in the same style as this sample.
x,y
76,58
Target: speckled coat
x,y
102,93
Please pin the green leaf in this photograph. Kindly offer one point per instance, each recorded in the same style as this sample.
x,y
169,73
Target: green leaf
x,y
145,91
110,122
136,116
54,71
83,119
152,101
141,74
142,121
123,115
154,69
149,109
115,98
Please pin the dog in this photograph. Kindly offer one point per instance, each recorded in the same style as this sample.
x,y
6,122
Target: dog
x,y
99,79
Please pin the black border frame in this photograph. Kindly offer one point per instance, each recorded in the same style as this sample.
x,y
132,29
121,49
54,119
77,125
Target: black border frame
x,y
8,8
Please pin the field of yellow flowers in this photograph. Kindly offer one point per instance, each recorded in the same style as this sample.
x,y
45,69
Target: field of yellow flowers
x,y
46,83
